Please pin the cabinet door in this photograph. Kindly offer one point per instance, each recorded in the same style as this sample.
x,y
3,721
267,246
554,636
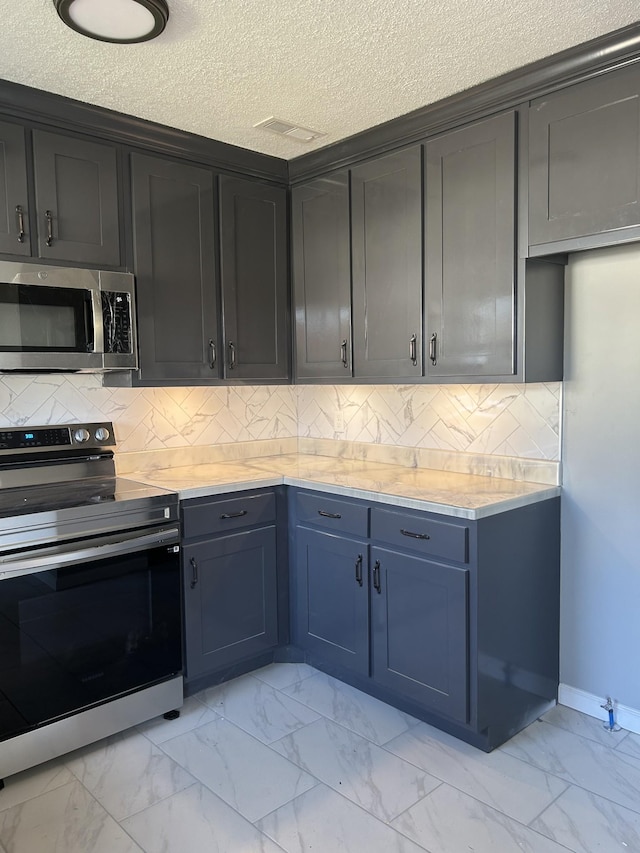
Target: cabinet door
x,y
174,256
253,244
14,208
231,599
420,630
76,199
322,277
386,220
332,618
470,250
584,159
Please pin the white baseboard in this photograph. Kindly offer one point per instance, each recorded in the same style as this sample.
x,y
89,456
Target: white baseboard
x,y
626,717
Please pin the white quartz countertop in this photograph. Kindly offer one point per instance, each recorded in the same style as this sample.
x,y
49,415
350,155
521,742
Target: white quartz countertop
x,y
461,495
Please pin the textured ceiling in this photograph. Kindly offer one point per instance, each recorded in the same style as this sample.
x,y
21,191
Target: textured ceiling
x,y
338,66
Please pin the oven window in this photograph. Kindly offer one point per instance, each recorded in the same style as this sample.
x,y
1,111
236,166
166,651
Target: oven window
x,y
41,319
74,637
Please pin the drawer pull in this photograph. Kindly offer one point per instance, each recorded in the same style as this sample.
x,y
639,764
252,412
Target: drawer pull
x,y
359,570
376,577
49,219
194,577
226,515
329,514
20,217
414,535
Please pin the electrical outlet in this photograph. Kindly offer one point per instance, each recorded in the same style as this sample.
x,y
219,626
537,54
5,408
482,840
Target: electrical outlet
x,y
338,421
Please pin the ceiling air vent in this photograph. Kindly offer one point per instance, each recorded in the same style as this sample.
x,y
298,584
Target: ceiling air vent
x,y
293,131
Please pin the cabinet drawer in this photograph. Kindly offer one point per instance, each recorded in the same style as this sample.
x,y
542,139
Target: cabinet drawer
x,y
420,533
332,514
221,516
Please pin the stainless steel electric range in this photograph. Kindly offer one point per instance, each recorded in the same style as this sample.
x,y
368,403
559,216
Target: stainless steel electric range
x,y
90,610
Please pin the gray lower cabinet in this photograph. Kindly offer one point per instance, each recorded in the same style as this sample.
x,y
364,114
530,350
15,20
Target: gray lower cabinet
x,y
420,630
584,164
321,269
332,604
230,582
386,223
15,237
254,280
76,217
175,267
452,620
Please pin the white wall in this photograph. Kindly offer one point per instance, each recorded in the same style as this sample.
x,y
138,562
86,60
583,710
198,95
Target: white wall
x,y
600,601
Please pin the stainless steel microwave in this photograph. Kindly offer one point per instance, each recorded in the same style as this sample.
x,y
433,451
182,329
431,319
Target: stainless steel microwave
x,y
64,319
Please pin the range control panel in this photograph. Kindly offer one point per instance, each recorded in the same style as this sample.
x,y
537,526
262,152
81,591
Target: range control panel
x,y
48,437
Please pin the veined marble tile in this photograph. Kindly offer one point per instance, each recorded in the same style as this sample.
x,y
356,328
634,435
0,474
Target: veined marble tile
x,y
581,761
364,773
258,708
34,782
323,821
65,820
193,714
448,821
196,821
281,675
241,770
497,779
586,823
362,714
126,773
630,744
583,725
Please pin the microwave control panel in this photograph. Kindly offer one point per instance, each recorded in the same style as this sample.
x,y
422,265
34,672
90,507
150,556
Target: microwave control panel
x,y
116,319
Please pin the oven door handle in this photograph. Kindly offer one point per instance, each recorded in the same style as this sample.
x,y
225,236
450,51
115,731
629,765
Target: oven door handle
x,y
80,551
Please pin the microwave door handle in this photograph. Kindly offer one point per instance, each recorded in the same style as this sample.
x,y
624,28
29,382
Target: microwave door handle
x,y
72,553
96,322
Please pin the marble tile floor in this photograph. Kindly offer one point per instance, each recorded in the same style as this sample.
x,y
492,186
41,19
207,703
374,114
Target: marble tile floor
x,y
289,759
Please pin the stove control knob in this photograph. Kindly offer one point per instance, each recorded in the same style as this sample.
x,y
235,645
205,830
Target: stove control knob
x,y
81,435
102,434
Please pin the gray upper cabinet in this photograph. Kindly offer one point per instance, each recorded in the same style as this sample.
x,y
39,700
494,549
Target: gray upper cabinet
x,y
14,207
322,278
77,210
470,188
584,163
386,221
174,259
76,183
254,279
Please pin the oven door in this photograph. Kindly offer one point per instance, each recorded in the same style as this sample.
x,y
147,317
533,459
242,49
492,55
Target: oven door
x,y
85,622
46,327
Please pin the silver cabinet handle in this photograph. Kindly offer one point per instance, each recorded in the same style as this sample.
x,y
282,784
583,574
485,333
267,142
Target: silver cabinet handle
x,y
212,354
194,576
413,349
343,353
232,355
433,342
49,218
20,218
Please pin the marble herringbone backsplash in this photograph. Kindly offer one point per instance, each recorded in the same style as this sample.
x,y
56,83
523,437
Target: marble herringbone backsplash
x,y
510,420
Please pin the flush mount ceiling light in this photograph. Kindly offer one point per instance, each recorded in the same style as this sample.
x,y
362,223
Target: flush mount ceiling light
x,y
119,21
